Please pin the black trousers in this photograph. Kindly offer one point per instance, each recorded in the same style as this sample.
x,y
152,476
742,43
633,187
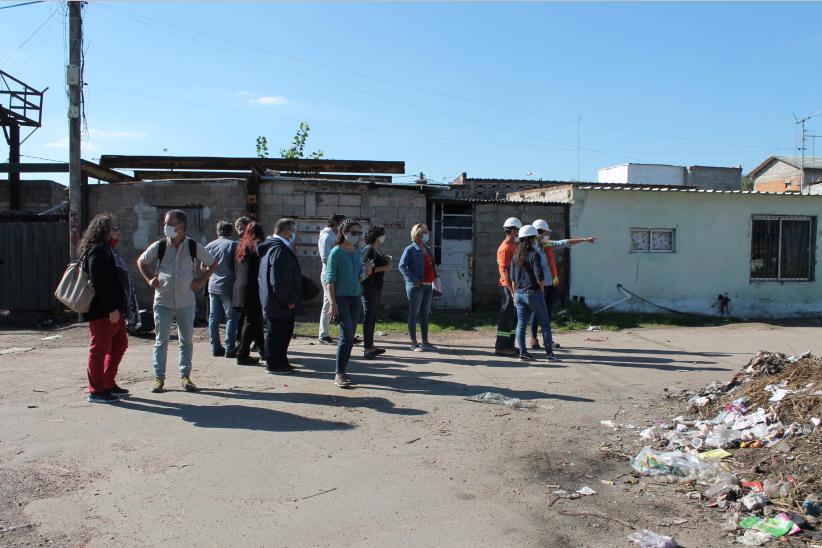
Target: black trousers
x,y
277,340
507,326
252,330
370,306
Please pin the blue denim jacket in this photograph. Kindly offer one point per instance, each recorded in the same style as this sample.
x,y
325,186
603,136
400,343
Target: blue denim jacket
x,y
412,263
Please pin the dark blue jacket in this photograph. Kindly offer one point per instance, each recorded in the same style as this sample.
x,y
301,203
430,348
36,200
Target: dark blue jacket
x,y
280,280
527,276
412,263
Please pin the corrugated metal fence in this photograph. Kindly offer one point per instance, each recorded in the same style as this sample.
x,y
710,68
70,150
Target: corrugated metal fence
x,y
33,257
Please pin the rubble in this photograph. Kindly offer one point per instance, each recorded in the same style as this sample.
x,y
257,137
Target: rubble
x,y
751,446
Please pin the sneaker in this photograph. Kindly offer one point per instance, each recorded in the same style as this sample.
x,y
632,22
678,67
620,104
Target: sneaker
x,y
231,355
187,384
117,391
357,340
379,350
158,385
281,369
327,340
526,357
428,347
247,360
342,381
556,345
371,353
102,397
218,353
552,358
510,352
415,347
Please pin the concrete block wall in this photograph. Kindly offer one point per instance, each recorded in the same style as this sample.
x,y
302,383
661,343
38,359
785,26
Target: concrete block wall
x,y
716,178
35,195
397,209
488,235
136,207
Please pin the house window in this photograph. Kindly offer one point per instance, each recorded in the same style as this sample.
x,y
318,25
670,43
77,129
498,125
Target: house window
x,y
652,240
782,248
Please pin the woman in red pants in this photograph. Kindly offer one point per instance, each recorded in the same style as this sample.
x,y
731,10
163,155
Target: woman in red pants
x,y
106,316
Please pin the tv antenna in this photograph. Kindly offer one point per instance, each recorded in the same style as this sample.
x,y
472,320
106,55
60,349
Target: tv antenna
x,y
801,121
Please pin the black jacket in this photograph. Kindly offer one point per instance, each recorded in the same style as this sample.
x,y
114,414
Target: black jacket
x,y
108,291
246,286
280,280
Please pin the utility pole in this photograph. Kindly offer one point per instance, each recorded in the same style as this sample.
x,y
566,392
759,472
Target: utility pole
x,y
74,80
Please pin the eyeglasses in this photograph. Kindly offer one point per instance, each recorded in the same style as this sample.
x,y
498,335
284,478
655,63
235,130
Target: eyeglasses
x,y
117,228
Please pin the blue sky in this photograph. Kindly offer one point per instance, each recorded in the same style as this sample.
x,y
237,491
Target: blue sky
x,y
492,89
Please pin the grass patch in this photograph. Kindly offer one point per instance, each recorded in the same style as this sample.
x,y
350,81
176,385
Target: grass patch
x,y
484,320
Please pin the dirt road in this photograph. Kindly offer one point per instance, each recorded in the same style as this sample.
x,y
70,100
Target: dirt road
x,y
401,460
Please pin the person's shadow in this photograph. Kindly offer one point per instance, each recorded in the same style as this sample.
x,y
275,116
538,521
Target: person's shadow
x,y
233,416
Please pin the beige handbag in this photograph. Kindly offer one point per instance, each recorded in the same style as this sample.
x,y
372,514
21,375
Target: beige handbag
x,y
75,289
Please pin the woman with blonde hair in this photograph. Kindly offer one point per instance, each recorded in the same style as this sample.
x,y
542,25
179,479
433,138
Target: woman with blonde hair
x,y
418,267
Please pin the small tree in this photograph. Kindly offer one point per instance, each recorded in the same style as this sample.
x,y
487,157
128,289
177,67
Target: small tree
x,y
262,147
297,148
747,183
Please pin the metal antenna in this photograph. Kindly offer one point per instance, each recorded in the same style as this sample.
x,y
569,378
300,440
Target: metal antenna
x,y
801,121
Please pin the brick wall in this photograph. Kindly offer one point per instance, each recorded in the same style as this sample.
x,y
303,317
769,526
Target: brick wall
x,y
137,208
397,209
35,195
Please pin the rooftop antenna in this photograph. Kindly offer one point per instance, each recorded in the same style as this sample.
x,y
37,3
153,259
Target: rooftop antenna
x,y
801,121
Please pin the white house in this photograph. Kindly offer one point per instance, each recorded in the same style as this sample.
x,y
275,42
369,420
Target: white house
x,y
681,248
705,177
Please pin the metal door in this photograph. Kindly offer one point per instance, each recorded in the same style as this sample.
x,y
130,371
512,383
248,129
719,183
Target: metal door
x,y
452,226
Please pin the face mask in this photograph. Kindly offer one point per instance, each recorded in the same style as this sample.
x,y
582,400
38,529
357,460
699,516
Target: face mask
x,y
352,239
113,241
170,231
293,238
426,237
381,239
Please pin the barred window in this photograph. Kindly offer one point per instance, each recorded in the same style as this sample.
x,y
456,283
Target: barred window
x,y
652,240
782,248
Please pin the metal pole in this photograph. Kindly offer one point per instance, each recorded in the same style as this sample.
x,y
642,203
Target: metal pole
x,y
14,158
802,162
74,80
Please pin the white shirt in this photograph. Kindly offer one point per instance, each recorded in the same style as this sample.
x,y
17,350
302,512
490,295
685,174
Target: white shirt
x,y
175,273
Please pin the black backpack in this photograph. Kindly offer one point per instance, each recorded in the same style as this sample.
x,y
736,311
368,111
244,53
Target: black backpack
x,y
192,250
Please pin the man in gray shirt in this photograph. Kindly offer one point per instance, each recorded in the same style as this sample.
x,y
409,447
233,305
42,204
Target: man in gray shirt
x,y
221,292
176,257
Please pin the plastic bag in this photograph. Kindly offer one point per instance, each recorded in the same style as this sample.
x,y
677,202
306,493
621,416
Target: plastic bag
x,y
497,398
722,438
649,539
650,462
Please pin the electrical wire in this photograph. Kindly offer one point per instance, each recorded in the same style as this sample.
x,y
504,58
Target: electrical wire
x,y
436,92
23,4
33,34
40,158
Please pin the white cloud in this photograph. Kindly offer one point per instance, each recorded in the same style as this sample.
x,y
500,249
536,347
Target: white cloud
x,y
87,146
244,93
268,100
116,134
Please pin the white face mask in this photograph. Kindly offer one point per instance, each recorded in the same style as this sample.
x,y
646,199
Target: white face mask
x,y
170,231
426,237
381,239
352,239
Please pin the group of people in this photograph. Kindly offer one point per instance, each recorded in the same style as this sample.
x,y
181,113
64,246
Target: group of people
x,y
528,281
255,283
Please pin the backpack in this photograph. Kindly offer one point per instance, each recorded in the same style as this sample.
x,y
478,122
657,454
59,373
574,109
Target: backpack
x,y
192,250
75,289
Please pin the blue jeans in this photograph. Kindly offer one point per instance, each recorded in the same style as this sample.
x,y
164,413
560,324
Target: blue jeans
x,y
419,306
220,305
549,305
350,308
163,318
527,303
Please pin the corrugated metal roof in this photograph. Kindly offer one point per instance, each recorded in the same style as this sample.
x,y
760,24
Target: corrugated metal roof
x,y
811,162
702,191
493,201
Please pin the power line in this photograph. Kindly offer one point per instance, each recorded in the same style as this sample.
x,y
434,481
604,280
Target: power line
x,y
33,34
40,158
23,4
427,90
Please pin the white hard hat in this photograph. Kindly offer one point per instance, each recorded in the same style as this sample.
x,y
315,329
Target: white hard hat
x,y
512,222
527,231
540,224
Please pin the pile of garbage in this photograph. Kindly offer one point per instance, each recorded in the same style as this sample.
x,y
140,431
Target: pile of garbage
x,y
753,446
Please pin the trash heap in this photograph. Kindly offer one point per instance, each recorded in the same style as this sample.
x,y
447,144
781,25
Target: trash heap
x,y
751,447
